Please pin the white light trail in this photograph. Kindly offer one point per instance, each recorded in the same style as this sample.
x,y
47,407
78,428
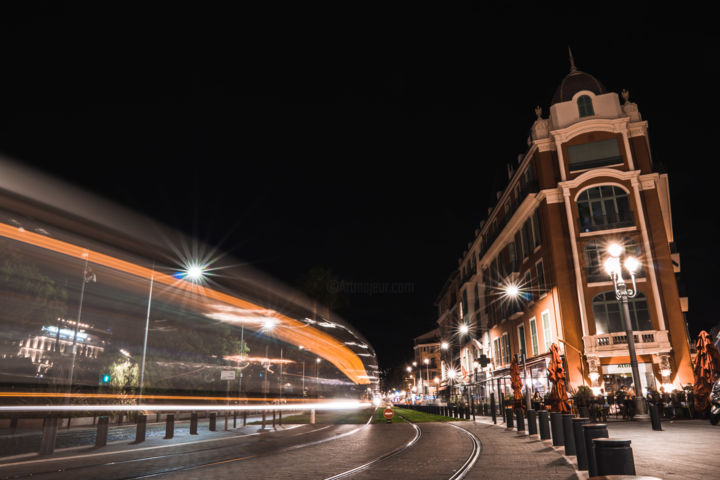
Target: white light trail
x,y
334,405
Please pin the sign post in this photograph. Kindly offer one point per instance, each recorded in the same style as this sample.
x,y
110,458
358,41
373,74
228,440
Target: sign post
x,y
388,414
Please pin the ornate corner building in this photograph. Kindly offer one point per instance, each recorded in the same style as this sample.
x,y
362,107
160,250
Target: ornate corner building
x,y
586,180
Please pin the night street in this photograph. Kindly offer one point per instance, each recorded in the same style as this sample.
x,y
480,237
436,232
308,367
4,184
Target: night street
x,y
258,240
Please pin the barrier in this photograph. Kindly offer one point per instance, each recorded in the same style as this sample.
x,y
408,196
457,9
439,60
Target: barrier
x,y
170,425
591,431
613,456
543,424
558,440
568,435
520,420
193,423
213,422
141,428
47,444
580,452
102,431
532,422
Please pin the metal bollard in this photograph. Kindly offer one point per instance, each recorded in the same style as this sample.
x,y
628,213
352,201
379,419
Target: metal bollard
x,y
193,423
234,419
102,431
312,416
580,451
532,422
556,427
492,408
244,418
170,425
50,426
520,420
273,419
655,418
213,421
543,425
280,417
141,428
264,420
509,418
591,431
568,435
613,456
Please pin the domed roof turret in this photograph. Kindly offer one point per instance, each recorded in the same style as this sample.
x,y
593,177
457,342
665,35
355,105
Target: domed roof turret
x,y
575,81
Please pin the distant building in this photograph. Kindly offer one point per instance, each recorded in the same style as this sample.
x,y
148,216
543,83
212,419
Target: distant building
x,y
427,358
586,180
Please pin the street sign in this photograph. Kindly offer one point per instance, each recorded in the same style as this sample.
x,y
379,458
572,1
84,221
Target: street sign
x,y
227,374
388,413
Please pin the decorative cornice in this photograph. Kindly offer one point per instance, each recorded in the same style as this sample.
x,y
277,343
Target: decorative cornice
x,y
614,125
638,129
599,172
544,144
550,195
649,181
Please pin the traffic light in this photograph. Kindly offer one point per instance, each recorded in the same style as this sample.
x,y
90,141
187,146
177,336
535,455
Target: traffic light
x,y
105,378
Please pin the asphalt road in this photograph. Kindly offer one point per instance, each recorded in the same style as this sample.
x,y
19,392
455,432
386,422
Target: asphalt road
x,y
369,451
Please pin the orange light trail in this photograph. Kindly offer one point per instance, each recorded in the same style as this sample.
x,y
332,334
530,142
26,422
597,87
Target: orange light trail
x,y
313,340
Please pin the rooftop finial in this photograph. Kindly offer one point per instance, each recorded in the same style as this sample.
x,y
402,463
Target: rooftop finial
x,y
573,69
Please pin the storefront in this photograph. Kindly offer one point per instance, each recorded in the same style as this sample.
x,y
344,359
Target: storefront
x,y
616,376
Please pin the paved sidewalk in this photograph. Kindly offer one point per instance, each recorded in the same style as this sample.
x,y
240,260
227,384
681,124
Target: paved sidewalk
x,y
685,449
509,454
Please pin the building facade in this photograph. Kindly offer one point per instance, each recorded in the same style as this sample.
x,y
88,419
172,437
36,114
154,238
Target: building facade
x,y
586,181
426,364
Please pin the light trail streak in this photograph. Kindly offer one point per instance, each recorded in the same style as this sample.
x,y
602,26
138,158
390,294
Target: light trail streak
x,y
146,397
287,329
332,405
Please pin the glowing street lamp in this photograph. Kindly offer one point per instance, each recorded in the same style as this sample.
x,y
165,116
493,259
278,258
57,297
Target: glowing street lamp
x,y
195,272
444,345
464,329
623,293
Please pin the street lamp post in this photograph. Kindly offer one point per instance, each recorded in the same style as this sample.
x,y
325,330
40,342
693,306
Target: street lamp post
x,y
427,376
88,277
623,293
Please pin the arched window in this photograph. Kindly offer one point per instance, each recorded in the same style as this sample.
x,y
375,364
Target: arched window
x,y
595,255
585,106
602,208
606,311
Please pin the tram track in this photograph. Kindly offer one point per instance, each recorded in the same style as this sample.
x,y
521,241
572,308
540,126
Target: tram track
x,y
459,474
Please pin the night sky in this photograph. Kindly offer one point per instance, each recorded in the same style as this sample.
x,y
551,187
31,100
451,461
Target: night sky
x,y
367,143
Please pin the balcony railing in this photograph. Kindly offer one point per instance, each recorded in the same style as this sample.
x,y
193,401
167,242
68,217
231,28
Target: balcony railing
x,y
615,343
605,222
